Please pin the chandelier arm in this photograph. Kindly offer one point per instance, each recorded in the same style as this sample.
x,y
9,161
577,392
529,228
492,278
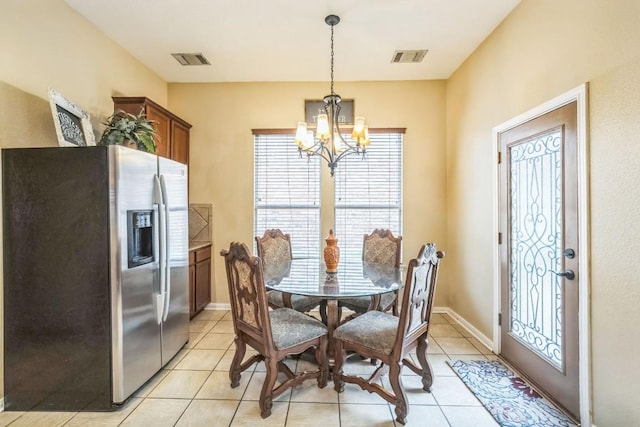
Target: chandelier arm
x,y
327,154
344,141
318,149
346,153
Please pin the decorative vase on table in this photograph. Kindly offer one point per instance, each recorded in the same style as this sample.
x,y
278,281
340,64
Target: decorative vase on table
x,y
331,253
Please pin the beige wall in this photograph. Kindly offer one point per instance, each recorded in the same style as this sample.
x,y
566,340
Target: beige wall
x,y
43,44
615,247
221,158
545,48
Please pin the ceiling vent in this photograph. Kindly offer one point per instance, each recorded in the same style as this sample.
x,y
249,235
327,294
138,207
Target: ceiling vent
x,y
191,58
408,55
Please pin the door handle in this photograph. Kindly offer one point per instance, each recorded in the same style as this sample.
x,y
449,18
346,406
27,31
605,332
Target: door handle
x,y
569,274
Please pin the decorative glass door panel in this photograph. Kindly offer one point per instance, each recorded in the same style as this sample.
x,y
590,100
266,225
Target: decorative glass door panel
x,y
536,244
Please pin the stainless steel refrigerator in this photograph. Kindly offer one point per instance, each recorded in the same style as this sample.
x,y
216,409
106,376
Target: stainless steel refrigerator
x,y
95,274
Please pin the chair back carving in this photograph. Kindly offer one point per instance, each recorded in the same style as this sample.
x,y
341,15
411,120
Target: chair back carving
x,y
274,247
247,293
381,247
419,290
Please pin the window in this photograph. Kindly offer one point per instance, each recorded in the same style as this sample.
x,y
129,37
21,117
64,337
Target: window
x,y
368,194
287,192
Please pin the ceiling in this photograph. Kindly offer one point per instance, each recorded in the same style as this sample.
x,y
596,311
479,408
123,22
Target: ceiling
x,y
288,40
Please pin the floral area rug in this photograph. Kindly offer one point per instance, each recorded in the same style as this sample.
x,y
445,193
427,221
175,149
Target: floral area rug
x,y
511,401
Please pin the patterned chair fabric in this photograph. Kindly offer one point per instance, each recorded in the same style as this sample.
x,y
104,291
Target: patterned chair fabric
x,y
273,334
389,338
374,329
290,328
274,248
380,247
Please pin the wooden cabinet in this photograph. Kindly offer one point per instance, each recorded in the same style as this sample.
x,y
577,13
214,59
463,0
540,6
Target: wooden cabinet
x,y
172,132
199,279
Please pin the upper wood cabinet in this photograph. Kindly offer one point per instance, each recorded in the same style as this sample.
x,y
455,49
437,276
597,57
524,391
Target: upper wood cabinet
x,y
172,132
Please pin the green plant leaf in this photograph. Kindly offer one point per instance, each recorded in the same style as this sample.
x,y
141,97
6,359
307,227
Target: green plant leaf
x,y
122,126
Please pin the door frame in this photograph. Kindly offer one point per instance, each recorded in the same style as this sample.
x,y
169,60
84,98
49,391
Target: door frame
x,y
578,94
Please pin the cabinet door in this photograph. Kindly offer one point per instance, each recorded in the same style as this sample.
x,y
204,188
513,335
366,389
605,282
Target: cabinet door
x,y
162,125
203,284
203,278
192,291
179,142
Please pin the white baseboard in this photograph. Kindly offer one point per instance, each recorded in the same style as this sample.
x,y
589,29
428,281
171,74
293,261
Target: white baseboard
x,y
464,323
2,405
218,306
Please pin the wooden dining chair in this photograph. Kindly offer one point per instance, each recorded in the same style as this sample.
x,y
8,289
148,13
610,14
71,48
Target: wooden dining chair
x,y
273,334
274,248
382,248
389,339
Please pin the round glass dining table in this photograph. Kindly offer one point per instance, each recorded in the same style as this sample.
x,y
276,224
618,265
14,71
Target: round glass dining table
x,y
354,278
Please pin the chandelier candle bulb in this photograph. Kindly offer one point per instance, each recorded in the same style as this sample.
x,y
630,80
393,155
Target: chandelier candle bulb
x,y
358,128
301,135
322,129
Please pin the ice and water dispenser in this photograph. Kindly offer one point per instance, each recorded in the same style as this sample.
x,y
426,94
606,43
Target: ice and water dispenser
x,y
139,237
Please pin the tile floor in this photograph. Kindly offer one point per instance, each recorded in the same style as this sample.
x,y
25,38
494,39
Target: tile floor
x,y
193,390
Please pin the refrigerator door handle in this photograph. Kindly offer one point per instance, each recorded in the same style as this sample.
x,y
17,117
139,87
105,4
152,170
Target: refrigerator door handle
x,y
167,266
162,238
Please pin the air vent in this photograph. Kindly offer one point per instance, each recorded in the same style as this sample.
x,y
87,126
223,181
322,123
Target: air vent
x,y
408,55
191,58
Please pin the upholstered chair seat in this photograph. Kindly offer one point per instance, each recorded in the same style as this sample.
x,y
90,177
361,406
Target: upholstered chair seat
x,y
374,329
290,328
361,304
300,303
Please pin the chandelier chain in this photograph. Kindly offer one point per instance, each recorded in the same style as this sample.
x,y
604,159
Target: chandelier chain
x,y
332,92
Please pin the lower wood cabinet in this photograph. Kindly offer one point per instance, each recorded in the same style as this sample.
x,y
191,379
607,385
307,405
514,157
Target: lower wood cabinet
x,y
199,279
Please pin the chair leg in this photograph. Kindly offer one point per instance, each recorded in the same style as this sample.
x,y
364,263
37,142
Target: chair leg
x,y
266,395
401,398
321,358
234,371
427,376
340,355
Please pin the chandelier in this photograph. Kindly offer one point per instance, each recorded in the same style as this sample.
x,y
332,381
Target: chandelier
x,y
328,142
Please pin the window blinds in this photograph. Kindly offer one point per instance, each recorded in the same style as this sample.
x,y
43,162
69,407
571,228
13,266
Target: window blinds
x,y
368,193
287,193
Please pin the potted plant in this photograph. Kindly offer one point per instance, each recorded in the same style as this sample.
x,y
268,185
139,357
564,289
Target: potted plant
x,y
127,129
